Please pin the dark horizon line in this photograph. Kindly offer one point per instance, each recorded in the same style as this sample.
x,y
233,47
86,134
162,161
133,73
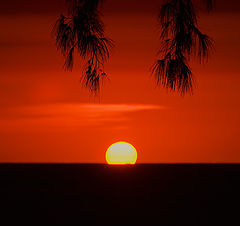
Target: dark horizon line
x,y
75,163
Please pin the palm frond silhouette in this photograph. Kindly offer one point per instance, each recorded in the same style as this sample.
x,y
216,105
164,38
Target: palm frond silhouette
x,y
181,40
82,32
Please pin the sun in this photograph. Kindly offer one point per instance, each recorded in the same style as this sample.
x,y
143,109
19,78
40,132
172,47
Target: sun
x,y
121,153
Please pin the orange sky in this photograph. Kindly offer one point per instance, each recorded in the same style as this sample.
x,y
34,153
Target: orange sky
x,y
46,116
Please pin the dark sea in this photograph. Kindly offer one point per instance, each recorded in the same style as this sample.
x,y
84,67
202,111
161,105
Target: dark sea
x,y
98,194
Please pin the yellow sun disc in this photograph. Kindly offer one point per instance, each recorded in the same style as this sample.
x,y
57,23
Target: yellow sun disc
x,y
121,153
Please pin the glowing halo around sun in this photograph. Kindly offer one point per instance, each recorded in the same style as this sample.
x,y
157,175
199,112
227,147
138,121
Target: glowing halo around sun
x,y
121,153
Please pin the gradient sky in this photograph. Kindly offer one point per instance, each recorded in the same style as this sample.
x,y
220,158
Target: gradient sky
x,y
46,115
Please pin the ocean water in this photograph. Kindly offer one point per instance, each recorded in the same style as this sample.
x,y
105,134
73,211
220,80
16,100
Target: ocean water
x,y
98,194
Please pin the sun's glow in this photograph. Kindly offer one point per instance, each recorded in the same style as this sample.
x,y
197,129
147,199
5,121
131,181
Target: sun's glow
x,y
121,153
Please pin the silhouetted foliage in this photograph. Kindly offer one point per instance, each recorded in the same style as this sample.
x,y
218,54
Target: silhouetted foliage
x,y
82,32
181,40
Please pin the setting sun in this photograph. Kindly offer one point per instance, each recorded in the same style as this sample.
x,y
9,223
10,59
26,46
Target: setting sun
x,y
121,153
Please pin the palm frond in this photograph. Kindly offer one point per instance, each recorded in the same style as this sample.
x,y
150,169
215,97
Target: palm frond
x,y
93,77
204,45
98,48
174,74
181,40
69,60
82,32
64,35
89,5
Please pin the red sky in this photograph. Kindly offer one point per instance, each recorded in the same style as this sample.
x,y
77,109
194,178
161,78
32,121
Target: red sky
x,y
46,116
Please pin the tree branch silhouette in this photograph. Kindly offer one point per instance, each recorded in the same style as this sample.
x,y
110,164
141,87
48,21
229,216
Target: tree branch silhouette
x,y
82,32
181,40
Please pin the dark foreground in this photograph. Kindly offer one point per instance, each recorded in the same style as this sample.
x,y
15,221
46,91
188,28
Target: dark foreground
x,y
115,195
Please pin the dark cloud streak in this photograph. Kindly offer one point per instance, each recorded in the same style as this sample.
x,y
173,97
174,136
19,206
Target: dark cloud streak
x,y
114,6
31,6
